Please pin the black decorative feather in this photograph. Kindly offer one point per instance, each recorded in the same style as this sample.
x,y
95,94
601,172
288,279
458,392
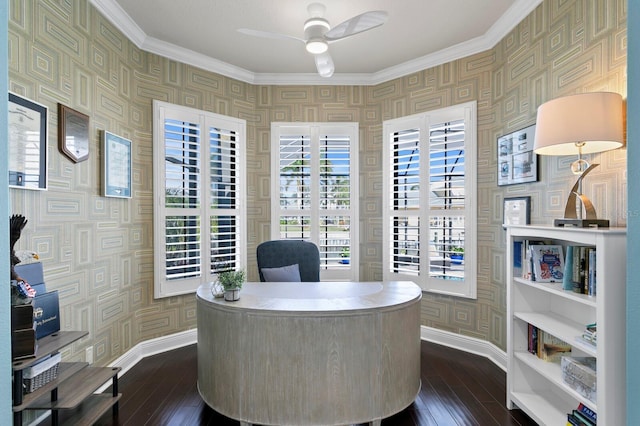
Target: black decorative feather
x,y
17,222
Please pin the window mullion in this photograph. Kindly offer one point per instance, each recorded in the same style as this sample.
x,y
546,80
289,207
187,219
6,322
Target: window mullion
x,y
315,183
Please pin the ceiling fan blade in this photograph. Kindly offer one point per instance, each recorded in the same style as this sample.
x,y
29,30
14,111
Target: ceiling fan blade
x,y
266,34
324,64
357,24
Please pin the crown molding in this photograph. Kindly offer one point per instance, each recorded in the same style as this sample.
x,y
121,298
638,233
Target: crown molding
x,y
519,10
186,56
118,17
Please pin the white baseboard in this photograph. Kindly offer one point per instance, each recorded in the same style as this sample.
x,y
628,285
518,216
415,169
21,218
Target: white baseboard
x,y
152,347
465,343
189,337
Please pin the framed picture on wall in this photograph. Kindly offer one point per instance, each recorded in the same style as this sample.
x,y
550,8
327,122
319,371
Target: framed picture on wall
x,y
73,133
517,211
116,166
517,163
27,124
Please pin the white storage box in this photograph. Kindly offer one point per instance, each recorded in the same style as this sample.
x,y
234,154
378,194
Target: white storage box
x,y
579,373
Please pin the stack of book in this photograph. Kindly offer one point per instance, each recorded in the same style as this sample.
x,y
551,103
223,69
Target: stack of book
x,y
590,335
545,345
582,265
582,416
538,260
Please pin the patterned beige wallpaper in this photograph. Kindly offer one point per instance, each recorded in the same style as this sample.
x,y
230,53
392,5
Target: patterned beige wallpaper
x,y
98,252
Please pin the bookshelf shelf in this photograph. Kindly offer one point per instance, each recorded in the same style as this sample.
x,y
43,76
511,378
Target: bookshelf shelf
x,y
71,390
536,386
556,289
560,326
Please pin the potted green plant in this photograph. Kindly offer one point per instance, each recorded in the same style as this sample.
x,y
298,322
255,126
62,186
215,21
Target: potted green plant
x,y
457,254
344,254
231,282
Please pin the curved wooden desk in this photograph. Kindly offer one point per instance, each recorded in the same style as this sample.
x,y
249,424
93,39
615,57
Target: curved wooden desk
x,y
329,353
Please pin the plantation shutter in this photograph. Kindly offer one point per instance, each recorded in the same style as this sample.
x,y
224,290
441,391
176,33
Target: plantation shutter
x,y
316,185
199,213
429,200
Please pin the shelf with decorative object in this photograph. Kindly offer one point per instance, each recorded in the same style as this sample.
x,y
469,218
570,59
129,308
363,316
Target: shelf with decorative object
x,y
72,387
537,386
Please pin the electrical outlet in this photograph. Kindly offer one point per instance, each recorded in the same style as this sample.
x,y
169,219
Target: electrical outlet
x,y
89,355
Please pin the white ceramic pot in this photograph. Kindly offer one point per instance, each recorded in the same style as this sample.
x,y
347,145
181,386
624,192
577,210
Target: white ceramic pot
x,y
232,295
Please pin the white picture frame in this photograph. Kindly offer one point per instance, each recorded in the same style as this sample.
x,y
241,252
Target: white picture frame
x,y
116,165
517,211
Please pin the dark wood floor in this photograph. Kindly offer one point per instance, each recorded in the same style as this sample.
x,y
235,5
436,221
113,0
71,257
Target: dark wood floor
x,y
457,389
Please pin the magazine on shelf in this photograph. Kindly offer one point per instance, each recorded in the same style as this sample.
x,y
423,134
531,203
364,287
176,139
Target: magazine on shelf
x,y
548,262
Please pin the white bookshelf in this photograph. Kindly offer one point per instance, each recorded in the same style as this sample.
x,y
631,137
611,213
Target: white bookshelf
x,y
536,386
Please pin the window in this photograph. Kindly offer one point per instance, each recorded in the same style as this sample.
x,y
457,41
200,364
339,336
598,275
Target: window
x,y
430,200
199,208
315,176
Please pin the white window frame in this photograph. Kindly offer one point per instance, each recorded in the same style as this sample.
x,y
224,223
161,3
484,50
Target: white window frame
x,y
164,287
468,286
315,131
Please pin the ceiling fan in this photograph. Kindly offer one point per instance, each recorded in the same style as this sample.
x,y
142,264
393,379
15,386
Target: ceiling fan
x,y
318,33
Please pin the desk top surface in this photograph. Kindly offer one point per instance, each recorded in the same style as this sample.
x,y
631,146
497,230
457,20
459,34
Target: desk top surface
x,y
330,297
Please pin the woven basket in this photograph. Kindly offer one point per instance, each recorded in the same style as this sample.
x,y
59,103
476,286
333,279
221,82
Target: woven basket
x,y
40,374
41,379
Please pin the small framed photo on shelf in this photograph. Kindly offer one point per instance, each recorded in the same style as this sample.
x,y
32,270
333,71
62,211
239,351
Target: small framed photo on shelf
x,y
116,167
73,133
517,211
27,161
517,163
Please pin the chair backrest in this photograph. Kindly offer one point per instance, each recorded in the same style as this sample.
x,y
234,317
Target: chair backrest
x,y
279,253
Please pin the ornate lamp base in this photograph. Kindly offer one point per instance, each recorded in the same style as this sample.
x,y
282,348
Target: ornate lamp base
x,y
582,223
570,216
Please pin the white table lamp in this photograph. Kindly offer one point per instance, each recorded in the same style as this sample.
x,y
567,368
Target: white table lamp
x,y
580,124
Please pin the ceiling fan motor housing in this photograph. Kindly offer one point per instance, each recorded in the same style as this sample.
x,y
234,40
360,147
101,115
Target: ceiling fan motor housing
x,y
314,29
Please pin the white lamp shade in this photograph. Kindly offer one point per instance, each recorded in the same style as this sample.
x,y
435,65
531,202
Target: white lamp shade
x,y
595,119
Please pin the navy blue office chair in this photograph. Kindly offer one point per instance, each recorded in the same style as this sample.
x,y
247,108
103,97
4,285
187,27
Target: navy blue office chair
x,y
277,260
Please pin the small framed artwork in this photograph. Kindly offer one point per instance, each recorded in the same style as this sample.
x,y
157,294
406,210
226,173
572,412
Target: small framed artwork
x,y
517,211
73,133
517,163
27,124
117,165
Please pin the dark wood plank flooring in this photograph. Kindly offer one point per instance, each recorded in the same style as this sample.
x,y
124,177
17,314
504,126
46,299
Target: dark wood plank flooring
x,y
457,389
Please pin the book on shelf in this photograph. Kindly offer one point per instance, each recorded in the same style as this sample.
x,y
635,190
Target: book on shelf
x,y
591,272
548,262
545,345
575,418
518,270
583,274
522,262
552,348
567,279
533,339
589,335
588,412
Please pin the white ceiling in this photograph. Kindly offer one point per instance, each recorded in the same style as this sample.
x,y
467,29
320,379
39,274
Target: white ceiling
x,y
418,34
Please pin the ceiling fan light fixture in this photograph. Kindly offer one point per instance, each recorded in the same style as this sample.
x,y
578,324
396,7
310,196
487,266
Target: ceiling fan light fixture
x,y
316,46
318,34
